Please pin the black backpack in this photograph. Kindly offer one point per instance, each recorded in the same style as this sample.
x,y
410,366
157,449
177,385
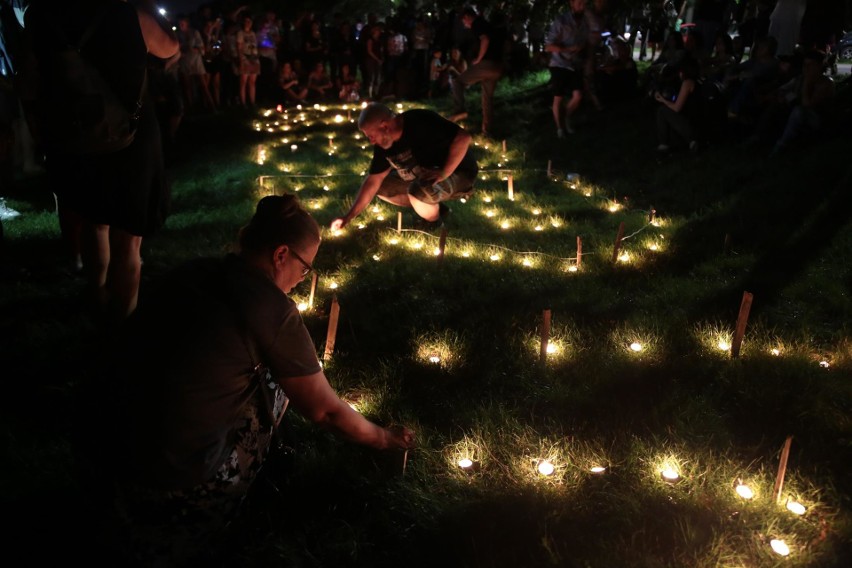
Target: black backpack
x,y
81,112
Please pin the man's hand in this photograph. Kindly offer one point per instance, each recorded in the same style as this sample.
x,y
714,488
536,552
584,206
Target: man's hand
x,y
431,177
338,223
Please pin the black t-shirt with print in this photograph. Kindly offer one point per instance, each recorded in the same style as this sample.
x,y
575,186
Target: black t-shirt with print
x,y
424,144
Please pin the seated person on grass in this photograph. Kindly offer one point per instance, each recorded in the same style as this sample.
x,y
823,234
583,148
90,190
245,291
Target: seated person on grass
x,y
288,81
420,160
319,83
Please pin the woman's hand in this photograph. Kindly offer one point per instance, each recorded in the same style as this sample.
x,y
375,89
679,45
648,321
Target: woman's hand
x,y
399,438
338,223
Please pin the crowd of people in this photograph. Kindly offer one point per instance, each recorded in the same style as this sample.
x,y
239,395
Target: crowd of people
x,y
196,431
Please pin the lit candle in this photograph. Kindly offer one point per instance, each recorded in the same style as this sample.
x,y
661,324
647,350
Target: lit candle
x,y
780,547
796,508
670,475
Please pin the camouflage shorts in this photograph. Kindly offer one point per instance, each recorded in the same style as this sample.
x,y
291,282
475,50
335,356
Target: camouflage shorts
x,y
457,186
169,528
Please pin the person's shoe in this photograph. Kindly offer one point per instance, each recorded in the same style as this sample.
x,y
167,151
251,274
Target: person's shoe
x,y
693,146
662,148
560,133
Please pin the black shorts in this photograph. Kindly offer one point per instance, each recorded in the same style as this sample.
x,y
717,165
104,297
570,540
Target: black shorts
x,y
563,82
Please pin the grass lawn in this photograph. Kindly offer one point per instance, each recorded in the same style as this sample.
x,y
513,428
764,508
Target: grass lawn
x,y
634,381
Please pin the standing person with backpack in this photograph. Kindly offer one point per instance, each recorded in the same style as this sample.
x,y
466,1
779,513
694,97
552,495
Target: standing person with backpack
x,y
82,83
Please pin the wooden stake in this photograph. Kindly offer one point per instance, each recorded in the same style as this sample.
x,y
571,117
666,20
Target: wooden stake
x,y
652,214
511,188
742,320
442,243
332,329
399,222
549,170
545,336
727,246
579,251
404,461
782,469
618,242
504,146
313,290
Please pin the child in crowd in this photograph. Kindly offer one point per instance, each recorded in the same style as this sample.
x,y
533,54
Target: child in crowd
x,y
436,70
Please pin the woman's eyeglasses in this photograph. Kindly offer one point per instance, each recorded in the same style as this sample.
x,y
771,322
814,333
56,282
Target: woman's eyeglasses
x,y
307,268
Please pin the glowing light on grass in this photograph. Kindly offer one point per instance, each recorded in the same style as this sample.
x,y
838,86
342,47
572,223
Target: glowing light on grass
x,y
555,222
465,463
723,345
779,547
338,118
434,358
545,467
380,217
636,347
466,253
536,211
573,268
377,257
744,491
526,262
490,213
775,351
670,475
437,251
316,205
362,226
333,285
796,508
494,257
294,147
653,247
394,241
505,225
613,207
302,306
539,228
552,348
336,233
624,257
487,199
417,245
824,364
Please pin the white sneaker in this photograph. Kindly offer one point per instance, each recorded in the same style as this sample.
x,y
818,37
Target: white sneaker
x,y
568,128
560,133
7,212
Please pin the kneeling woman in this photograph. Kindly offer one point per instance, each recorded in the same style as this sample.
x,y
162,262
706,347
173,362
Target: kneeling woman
x,y
199,381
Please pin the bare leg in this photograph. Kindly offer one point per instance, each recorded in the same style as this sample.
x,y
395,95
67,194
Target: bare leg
x,y
243,82
96,256
252,81
124,273
429,211
557,112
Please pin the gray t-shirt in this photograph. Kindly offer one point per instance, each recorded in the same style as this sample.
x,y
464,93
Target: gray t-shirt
x,y
187,364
